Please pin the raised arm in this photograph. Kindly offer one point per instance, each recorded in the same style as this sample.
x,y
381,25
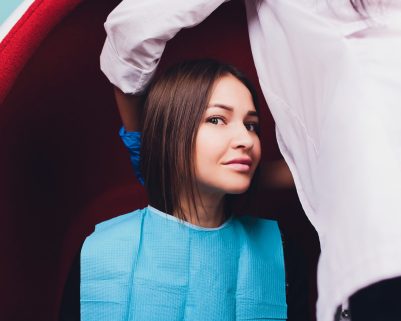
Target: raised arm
x,y
130,109
137,32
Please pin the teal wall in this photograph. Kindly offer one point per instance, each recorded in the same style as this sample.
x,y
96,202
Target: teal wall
x,y
7,7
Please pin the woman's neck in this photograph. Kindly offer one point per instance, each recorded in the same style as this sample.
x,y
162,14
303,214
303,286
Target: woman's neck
x,y
209,211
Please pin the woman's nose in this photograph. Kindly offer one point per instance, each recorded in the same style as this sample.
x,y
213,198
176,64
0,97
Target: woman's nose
x,y
242,138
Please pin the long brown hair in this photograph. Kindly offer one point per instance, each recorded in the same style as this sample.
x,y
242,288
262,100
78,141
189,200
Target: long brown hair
x,y
173,111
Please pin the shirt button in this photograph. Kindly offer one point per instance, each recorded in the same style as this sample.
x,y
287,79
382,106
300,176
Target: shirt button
x,y
346,314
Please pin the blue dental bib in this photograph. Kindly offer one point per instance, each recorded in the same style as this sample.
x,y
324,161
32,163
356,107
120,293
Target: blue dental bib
x,y
150,266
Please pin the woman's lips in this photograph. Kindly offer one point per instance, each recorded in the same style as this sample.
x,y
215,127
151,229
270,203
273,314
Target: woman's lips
x,y
239,164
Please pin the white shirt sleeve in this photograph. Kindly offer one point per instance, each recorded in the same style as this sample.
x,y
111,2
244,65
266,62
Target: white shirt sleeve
x,y
137,32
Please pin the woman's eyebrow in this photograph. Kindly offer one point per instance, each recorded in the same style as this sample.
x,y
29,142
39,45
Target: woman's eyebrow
x,y
229,108
253,113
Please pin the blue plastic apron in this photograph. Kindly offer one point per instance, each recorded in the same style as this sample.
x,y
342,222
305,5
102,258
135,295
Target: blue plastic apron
x,y
149,266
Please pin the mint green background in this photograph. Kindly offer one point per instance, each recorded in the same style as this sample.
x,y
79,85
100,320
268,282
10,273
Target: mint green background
x,y
7,7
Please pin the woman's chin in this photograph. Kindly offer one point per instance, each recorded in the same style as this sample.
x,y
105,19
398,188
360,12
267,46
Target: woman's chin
x,y
238,189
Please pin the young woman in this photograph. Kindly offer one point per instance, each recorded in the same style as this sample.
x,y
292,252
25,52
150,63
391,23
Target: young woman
x,y
187,256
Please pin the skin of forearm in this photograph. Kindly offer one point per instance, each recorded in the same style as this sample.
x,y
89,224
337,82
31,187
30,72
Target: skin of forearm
x,y
130,109
276,174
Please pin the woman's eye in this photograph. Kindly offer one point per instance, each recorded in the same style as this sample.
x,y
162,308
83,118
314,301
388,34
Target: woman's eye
x,y
252,127
216,120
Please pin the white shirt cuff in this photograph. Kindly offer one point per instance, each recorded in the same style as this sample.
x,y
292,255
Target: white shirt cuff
x,y
128,78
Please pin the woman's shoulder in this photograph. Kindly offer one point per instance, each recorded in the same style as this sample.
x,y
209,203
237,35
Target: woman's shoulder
x,y
112,241
119,224
265,232
257,223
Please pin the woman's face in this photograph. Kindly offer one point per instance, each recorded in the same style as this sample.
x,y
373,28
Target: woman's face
x,y
227,147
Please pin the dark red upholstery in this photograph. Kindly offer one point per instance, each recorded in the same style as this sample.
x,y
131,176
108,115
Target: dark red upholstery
x,y
62,166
